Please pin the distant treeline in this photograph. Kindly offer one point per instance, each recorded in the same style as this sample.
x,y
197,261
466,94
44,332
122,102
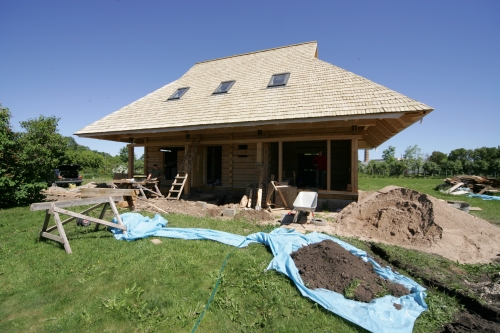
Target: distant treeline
x,y
480,161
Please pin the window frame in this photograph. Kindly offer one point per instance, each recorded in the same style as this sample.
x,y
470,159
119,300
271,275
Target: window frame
x,y
217,92
173,97
270,84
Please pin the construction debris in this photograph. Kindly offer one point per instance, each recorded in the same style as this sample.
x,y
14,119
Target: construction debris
x,y
476,184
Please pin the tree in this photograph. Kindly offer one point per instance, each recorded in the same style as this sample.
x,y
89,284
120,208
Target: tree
x,y
8,159
414,158
437,157
431,168
400,167
495,167
123,153
388,154
31,157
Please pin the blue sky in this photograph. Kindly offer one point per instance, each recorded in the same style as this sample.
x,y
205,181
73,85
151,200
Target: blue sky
x,y
81,60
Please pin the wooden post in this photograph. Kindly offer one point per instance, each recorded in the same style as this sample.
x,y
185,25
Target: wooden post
x,y
187,186
354,165
280,161
130,161
328,164
259,153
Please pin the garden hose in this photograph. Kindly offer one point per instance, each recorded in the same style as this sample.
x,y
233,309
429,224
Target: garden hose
x,y
214,291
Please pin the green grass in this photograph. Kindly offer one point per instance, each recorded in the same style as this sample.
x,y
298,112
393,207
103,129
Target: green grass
x,y
490,208
117,286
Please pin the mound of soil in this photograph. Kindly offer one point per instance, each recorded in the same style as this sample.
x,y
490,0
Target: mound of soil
x,y
329,266
254,215
466,322
411,219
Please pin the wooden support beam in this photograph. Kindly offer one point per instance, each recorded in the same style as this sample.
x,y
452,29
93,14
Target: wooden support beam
x,y
71,203
328,164
280,161
354,165
130,161
90,218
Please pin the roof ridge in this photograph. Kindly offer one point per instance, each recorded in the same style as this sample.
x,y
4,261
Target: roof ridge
x,y
260,51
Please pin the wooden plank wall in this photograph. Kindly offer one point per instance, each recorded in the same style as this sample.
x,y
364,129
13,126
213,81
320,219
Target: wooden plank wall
x,y
238,165
153,156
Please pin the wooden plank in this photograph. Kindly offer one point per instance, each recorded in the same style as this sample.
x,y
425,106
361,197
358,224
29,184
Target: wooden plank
x,y
60,228
115,211
106,192
90,218
250,198
45,223
71,203
52,237
72,218
259,199
454,188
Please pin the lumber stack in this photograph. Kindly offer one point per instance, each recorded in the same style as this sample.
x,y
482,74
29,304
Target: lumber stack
x,y
477,184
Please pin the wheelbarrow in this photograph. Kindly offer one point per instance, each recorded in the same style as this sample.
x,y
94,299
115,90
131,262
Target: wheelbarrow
x,y
305,202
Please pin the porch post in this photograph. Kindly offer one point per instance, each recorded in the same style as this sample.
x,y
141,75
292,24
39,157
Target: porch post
x,y
130,161
328,164
354,165
280,161
187,186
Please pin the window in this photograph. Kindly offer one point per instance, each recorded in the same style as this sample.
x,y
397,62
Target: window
x,y
224,87
178,93
279,80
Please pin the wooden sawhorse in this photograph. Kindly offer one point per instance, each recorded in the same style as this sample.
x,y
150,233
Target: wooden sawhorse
x,y
55,208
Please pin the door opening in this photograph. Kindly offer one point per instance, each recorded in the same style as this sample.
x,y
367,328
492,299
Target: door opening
x,y
214,165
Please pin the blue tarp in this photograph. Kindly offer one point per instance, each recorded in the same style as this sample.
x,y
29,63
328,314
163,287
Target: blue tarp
x,y
379,315
483,196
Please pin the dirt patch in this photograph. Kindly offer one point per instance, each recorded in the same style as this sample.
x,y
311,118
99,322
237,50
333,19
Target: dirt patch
x,y
411,219
255,215
329,266
466,322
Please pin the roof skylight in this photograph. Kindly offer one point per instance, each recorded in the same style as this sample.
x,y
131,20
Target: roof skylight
x,y
224,87
279,80
179,93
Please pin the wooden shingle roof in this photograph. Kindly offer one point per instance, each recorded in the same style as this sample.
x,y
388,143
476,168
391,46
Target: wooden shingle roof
x,y
315,89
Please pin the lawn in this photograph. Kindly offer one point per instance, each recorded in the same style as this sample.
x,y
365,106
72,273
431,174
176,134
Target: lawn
x,y
117,286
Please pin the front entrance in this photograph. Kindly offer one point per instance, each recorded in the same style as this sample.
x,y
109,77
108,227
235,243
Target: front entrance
x,y
214,165
170,162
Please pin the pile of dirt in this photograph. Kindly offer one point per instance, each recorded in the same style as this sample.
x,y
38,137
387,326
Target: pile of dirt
x,y
254,215
329,266
408,218
466,322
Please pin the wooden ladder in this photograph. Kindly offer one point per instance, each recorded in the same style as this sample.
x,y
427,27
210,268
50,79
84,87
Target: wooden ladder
x,y
182,175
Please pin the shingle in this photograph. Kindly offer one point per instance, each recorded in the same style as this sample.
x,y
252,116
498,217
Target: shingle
x,y
315,89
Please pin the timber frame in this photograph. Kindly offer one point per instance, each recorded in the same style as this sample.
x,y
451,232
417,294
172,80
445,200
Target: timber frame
x,y
252,126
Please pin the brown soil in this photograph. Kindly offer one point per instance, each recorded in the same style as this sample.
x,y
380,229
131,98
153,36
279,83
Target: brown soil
x,y
411,219
466,322
328,265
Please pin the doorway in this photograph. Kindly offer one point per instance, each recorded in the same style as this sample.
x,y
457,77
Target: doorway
x,y
170,162
214,165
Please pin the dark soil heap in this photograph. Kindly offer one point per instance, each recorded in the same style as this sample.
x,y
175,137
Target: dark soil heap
x,y
328,265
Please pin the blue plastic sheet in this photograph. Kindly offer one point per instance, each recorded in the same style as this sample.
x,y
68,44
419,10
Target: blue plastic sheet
x,y
380,315
483,196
